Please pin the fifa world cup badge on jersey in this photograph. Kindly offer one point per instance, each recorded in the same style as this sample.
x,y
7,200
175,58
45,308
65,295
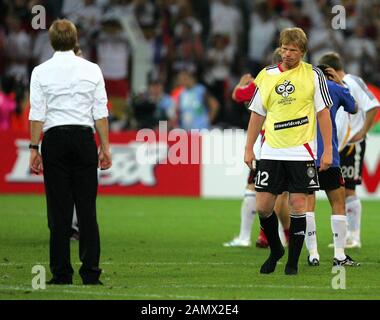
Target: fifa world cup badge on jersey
x,y
285,89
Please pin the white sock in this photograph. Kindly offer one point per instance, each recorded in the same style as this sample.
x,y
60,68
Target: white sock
x,y
74,224
339,229
311,236
354,215
248,210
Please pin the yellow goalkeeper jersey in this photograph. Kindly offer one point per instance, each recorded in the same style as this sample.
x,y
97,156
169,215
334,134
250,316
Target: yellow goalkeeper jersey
x,y
288,98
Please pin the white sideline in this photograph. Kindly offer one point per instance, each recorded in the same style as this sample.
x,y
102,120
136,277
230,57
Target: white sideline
x,y
5,264
29,289
192,286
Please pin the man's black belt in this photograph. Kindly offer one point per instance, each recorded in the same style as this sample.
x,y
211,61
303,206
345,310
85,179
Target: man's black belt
x,y
70,127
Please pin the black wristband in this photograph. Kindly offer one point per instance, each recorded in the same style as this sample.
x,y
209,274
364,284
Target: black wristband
x,y
34,146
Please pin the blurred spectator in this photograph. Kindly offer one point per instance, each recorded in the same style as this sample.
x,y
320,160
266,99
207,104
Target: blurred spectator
x,y
158,50
177,88
117,7
17,49
353,11
70,9
359,52
196,109
187,34
18,45
262,32
4,8
2,49
42,50
21,10
201,11
374,73
188,48
144,11
226,19
113,54
324,39
7,103
186,16
296,15
89,16
153,106
219,58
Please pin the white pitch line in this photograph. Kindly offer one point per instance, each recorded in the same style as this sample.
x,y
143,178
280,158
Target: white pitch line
x,y
29,289
234,286
125,295
6,264
190,286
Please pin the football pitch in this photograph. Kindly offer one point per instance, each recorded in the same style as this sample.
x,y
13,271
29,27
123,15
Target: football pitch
x,y
171,248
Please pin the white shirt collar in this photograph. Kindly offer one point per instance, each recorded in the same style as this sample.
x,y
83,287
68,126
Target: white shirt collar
x,y
63,53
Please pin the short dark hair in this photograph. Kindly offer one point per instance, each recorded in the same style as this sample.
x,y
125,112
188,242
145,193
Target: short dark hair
x,y
333,60
63,35
323,68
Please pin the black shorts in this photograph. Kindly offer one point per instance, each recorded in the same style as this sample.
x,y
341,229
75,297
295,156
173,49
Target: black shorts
x,y
330,179
351,162
277,176
252,174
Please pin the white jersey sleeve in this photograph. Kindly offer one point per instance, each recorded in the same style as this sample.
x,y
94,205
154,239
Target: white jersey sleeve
x,y
343,130
359,90
365,100
256,104
322,97
257,146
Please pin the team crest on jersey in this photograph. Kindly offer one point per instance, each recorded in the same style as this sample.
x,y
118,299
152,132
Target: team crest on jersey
x,y
285,89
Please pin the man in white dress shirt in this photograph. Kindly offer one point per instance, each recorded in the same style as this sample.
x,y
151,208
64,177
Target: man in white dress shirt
x,y
68,102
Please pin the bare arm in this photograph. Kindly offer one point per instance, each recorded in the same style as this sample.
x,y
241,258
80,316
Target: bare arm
x,y
35,131
105,159
325,126
35,159
369,122
256,122
370,119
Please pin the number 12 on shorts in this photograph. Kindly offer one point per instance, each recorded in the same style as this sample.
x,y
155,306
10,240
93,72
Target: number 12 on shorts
x,y
262,178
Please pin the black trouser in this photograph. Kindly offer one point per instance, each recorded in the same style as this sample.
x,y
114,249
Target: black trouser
x,y
70,161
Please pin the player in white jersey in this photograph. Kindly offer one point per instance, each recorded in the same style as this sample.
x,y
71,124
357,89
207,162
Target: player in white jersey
x,y
352,132
331,180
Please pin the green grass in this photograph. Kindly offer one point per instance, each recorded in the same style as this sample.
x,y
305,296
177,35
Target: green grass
x,y
171,248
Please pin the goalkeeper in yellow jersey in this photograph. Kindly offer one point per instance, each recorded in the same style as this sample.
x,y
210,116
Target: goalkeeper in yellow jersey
x,y
289,98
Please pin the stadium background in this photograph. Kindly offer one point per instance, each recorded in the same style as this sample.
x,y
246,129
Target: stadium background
x,y
141,42
137,42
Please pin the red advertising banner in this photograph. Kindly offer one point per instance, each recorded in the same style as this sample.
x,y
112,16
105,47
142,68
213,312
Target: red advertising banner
x,y
161,165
